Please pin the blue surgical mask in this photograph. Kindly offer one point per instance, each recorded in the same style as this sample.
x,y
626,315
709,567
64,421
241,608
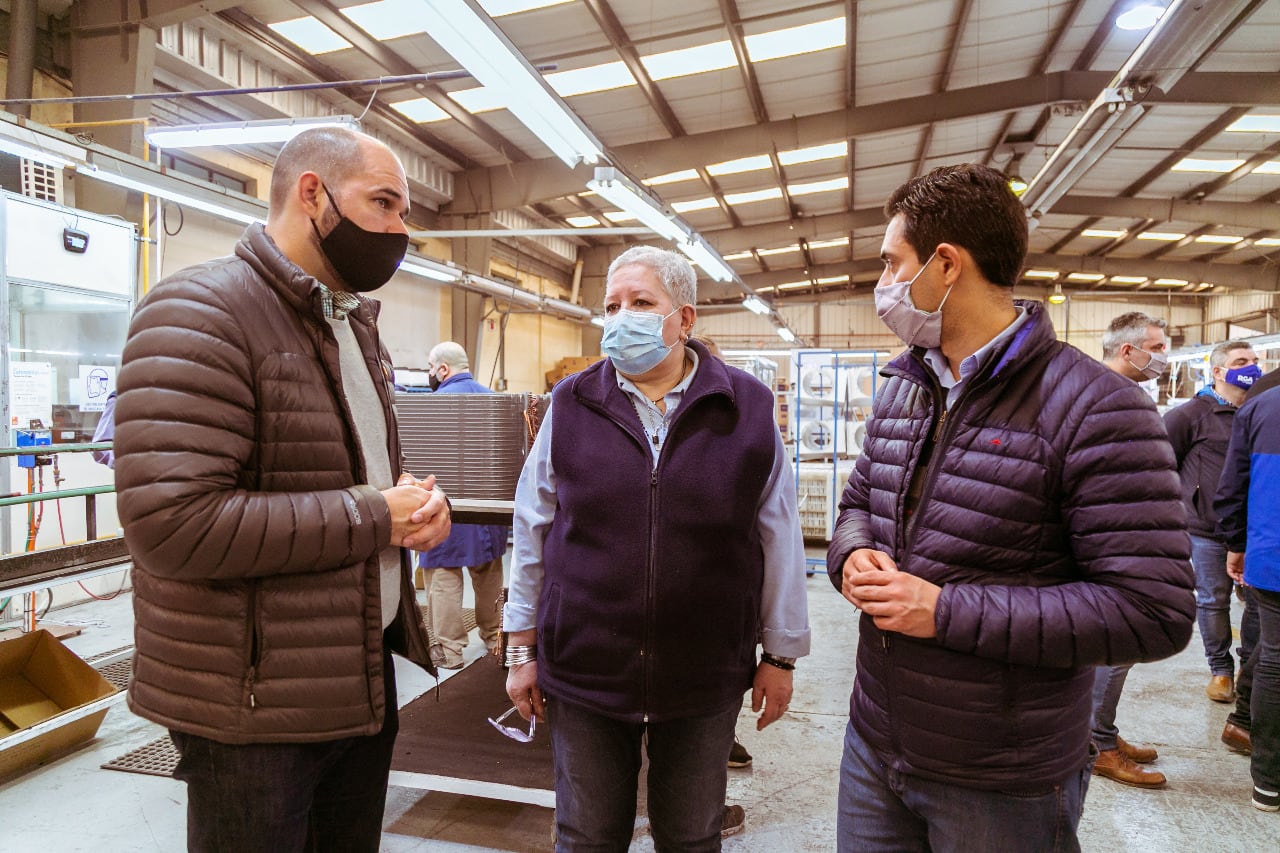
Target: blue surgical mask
x,y
633,341
1244,377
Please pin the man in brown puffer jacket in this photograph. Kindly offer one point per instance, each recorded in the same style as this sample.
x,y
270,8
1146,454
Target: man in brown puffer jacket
x,y
256,467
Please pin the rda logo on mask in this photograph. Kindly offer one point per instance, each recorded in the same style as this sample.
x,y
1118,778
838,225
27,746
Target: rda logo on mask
x,y
366,260
633,341
1244,377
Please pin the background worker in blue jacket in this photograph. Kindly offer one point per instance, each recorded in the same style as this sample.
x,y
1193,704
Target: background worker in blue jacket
x,y
1248,505
477,547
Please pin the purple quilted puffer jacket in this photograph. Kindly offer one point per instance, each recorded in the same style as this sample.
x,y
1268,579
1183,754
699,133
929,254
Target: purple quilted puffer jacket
x,y
1050,516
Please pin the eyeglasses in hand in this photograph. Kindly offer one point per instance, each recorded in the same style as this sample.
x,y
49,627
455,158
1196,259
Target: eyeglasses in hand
x,y
514,733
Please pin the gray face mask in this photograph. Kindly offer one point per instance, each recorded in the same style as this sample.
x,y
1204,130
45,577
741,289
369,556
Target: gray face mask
x,y
1156,363
916,328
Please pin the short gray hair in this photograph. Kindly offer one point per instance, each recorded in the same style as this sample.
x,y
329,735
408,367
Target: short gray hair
x,y
671,268
1218,355
1130,328
450,353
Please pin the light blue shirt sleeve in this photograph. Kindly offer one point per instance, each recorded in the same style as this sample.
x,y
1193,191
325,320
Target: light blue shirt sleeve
x,y
535,506
784,602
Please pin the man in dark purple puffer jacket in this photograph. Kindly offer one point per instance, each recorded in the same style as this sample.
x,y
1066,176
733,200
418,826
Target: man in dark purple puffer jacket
x,y
1013,521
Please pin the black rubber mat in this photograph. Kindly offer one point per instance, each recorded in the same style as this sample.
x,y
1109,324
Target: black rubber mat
x,y
158,758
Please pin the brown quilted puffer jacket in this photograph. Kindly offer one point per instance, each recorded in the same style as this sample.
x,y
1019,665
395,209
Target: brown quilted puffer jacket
x,y
255,548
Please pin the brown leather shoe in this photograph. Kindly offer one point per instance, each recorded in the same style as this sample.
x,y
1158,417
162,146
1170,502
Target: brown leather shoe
x,y
1221,689
1139,754
1115,766
1237,739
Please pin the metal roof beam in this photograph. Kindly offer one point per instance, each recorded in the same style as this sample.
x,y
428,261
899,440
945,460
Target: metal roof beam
x,y
520,184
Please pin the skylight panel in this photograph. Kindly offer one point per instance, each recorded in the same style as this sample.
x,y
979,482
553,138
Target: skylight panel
x,y
781,250
1256,124
596,78
479,100
745,164
1271,167
498,8
819,186
582,221
1128,279
754,195
388,19
1085,276
1166,236
690,60
671,178
311,35
810,155
1220,239
835,279
1040,274
695,204
1267,241
1102,232
619,216
1197,164
793,285
421,110
1170,282
737,256
793,41
828,244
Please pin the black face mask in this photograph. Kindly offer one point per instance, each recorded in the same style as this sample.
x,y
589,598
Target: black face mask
x,y
366,260
433,381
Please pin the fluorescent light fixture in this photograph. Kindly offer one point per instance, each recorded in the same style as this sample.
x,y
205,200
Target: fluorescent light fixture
x,y
828,244
793,41
794,285
819,186
35,151
835,279
1271,167
786,334
756,305
387,19
1256,124
597,320
1057,297
616,216
690,60
1085,276
174,196
1200,164
671,178
310,35
1140,17
1128,279
1104,233
421,110
694,204
610,185
1221,239
1167,236
704,256
1040,274
1267,241
782,250
755,163
737,256
241,132
498,8
1169,282
813,154
463,29
480,99
429,269
754,196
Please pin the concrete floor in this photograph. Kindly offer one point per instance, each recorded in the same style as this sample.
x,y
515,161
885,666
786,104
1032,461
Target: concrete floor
x,y
789,791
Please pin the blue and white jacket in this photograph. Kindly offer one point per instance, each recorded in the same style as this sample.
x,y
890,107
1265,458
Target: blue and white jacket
x,y
1248,501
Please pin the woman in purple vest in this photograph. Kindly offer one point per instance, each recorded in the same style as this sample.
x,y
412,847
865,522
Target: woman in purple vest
x,y
657,544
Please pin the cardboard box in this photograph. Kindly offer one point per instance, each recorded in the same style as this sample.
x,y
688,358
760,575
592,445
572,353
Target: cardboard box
x,y
568,366
41,681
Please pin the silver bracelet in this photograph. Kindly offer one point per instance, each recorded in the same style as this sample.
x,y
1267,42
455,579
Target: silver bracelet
x,y
517,655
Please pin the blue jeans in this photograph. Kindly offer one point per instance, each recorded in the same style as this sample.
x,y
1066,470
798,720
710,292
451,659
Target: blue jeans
x,y
597,772
1265,701
278,797
1108,684
1213,603
883,810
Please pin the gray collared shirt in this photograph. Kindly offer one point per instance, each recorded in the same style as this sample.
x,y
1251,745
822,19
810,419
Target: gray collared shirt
x,y
971,365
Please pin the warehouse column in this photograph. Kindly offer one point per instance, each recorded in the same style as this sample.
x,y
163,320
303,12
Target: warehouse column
x,y
473,253
595,269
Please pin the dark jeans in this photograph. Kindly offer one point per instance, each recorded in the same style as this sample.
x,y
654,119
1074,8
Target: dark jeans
x,y
881,810
597,770
280,797
1242,716
1108,684
1265,728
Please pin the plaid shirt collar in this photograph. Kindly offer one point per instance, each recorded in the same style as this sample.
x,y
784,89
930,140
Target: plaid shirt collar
x,y
337,304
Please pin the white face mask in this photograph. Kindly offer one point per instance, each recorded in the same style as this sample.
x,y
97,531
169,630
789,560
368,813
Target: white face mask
x,y
916,328
1156,363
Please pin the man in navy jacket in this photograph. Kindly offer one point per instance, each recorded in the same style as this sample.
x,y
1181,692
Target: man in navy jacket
x,y
1013,522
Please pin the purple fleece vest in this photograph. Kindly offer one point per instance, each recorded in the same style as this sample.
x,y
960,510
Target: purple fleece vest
x,y
651,602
